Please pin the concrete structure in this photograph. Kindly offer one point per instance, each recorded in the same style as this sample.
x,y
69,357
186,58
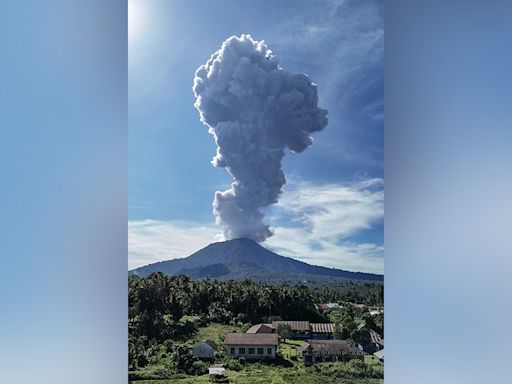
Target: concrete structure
x,y
216,373
256,346
204,350
317,351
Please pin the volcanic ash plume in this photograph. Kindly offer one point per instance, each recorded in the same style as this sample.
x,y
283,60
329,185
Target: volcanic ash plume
x,y
254,110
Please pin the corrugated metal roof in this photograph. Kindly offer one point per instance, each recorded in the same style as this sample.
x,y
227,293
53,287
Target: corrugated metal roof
x,y
295,325
376,337
330,347
259,328
322,327
251,339
379,354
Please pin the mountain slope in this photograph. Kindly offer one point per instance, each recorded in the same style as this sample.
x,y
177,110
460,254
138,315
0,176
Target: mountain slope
x,y
243,258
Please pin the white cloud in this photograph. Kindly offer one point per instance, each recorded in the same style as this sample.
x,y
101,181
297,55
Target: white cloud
x,y
313,223
150,241
324,217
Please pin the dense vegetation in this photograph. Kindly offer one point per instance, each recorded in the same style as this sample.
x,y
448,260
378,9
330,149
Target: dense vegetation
x,y
167,313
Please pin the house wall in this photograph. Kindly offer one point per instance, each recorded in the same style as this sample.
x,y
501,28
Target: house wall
x,y
310,358
203,351
239,353
322,336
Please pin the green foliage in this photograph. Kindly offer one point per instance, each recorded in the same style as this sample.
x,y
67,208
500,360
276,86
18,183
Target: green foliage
x,y
285,331
199,368
167,313
172,307
232,364
361,336
182,360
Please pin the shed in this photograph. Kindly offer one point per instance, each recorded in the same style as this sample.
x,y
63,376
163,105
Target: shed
x,y
205,350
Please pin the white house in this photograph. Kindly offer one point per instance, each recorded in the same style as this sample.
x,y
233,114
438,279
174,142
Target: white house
x,y
204,350
252,345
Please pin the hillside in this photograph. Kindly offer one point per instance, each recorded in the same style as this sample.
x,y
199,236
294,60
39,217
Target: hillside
x,y
243,258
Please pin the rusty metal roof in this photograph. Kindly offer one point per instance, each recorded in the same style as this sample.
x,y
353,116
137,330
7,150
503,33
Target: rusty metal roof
x,y
322,327
251,339
295,325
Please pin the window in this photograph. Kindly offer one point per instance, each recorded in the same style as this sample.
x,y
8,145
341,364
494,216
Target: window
x,y
251,351
269,351
241,351
232,350
260,351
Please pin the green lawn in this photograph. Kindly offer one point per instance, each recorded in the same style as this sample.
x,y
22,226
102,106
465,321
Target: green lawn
x,y
216,332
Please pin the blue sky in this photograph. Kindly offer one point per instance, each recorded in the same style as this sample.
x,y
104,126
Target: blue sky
x,y
333,202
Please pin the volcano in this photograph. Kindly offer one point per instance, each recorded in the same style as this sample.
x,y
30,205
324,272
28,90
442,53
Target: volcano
x,y
241,259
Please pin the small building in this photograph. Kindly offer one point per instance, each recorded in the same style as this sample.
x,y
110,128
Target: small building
x,y
204,350
318,351
300,329
376,341
327,306
216,373
322,331
256,346
379,355
260,328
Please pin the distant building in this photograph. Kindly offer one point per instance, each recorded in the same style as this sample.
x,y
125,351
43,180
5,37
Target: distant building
x,y
300,329
204,350
327,306
251,345
322,331
216,372
260,328
317,351
375,312
376,341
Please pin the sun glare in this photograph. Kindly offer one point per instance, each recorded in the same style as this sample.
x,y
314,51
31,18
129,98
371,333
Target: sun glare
x,y
135,18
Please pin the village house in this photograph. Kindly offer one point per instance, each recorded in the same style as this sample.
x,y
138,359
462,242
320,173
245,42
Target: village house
x,y
322,331
204,350
251,345
317,351
376,341
300,329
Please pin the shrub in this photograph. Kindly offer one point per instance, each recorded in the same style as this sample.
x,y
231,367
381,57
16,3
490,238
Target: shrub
x,y
232,364
199,368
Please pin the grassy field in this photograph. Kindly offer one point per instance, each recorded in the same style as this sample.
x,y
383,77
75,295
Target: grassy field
x,y
288,368
216,332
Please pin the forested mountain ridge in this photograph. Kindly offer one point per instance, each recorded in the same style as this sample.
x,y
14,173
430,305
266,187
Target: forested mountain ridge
x,y
239,259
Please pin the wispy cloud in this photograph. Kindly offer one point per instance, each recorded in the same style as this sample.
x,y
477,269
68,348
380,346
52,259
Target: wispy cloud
x,y
150,241
312,223
316,223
